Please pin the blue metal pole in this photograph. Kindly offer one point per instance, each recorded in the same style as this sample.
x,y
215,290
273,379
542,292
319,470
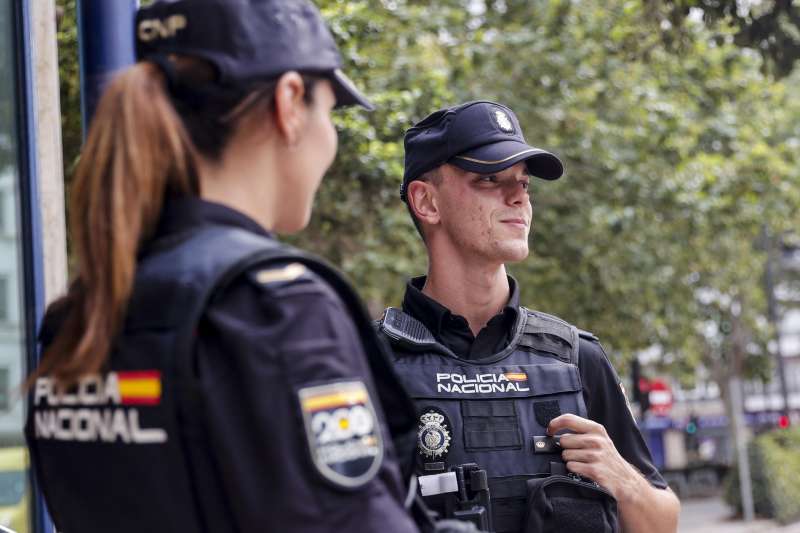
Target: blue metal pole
x,y
32,243
107,45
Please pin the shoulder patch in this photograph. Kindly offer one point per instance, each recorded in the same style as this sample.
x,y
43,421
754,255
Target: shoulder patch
x,y
290,272
342,431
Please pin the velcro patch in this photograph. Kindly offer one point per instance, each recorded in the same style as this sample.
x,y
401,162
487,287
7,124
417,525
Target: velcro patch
x,y
546,411
343,433
290,272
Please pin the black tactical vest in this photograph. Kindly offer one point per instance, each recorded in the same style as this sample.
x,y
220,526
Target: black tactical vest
x,y
125,451
490,411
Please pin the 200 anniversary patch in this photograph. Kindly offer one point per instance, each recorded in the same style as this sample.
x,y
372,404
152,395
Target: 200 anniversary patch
x,y
342,430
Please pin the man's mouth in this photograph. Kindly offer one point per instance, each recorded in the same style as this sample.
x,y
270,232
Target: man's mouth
x,y
517,222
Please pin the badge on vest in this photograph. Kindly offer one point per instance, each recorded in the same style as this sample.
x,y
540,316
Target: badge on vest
x,y
433,437
343,433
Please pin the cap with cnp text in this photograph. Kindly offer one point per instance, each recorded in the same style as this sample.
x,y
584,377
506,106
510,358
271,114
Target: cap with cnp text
x,y
482,137
246,40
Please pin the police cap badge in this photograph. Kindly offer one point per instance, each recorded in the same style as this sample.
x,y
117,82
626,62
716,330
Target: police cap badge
x,y
502,120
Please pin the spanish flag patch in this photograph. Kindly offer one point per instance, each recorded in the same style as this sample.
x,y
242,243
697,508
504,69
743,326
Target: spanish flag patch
x,y
139,387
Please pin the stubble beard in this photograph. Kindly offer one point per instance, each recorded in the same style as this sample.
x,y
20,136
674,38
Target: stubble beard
x,y
501,249
511,251
492,242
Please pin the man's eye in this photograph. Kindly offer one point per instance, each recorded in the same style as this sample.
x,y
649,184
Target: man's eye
x,y
488,179
526,185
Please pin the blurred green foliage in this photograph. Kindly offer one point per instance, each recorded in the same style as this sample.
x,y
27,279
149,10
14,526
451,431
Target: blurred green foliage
x,y
69,77
775,467
681,151
772,26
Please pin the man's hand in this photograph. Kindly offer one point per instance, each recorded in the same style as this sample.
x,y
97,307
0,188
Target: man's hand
x,y
589,451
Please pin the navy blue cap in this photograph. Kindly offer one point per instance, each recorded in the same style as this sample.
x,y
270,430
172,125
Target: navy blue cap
x,y
246,40
482,137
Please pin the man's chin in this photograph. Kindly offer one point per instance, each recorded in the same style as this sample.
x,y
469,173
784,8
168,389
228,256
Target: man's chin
x,y
513,252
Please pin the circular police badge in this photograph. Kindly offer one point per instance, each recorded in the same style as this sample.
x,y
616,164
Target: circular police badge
x,y
503,121
433,437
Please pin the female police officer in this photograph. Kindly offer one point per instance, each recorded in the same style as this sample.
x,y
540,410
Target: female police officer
x,y
198,375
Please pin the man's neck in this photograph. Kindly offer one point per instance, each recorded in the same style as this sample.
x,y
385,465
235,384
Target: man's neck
x,y
476,292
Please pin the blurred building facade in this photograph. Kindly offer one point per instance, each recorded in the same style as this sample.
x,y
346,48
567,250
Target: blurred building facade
x,y
11,330
691,443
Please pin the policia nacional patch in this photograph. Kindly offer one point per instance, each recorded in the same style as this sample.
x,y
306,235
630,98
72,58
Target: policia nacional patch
x,y
342,430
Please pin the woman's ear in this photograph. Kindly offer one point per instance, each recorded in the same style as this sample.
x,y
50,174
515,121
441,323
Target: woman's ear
x,y
290,106
423,202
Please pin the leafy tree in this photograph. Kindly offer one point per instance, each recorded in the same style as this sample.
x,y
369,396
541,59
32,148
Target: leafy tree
x,y
679,154
771,27
69,75
676,164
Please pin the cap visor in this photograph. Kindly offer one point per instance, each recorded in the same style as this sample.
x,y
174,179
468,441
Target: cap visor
x,y
346,92
501,155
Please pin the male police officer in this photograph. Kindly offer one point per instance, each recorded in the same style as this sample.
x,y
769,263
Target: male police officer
x,y
493,381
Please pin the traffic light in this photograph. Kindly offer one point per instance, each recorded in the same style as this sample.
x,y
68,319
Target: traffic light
x,y
692,442
641,388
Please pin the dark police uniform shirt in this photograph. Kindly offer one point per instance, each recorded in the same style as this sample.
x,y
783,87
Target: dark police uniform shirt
x,y
273,331
602,389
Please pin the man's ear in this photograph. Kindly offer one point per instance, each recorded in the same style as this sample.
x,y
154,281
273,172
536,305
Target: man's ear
x,y
290,107
423,201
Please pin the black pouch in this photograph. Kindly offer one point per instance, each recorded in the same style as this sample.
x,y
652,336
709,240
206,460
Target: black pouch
x,y
558,503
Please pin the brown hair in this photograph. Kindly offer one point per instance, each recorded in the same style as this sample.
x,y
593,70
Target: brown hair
x,y
143,145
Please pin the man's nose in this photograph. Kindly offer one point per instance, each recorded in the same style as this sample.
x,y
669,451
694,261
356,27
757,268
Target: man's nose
x,y
517,193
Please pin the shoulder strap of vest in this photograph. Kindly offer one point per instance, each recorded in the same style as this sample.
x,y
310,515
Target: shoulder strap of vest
x,y
541,331
552,335
255,250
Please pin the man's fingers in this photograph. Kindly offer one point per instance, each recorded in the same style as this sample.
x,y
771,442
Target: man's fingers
x,y
579,440
574,423
582,469
584,455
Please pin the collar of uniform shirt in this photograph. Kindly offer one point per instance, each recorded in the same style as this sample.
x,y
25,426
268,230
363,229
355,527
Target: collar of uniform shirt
x,y
187,212
453,330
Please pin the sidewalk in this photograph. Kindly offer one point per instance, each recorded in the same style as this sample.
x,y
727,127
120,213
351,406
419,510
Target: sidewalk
x,y
711,515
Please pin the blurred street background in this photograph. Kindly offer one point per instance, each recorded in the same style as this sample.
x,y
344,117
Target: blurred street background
x,y
712,515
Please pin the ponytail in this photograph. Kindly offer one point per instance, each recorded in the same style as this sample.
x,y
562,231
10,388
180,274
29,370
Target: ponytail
x,y
137,151
144,143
